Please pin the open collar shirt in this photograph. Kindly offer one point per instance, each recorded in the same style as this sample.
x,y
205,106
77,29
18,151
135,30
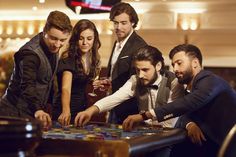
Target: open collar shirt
x,y
117,50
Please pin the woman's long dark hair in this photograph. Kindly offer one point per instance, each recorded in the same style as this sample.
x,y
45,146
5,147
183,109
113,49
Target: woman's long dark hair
x,y
74,51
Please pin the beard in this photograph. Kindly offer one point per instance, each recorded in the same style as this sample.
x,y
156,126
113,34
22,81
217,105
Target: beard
x,y
150,82
186,77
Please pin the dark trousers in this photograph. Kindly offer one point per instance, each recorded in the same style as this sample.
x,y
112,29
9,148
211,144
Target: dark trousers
x,y
163,152
9,110
189,149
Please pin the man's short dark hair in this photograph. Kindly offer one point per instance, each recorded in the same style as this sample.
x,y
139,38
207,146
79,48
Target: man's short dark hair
x,y
122,7
149,53
58,20
190,50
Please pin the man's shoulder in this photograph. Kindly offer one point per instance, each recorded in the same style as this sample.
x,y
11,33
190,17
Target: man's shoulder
x,y
28,49
137,39
133,80
204,74
169,74
208,78
26,55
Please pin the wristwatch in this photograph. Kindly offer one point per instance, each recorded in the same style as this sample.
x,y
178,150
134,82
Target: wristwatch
x,y
143,114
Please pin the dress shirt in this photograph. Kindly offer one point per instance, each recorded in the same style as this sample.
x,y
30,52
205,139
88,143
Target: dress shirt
x,y
127,91
187,91
118,48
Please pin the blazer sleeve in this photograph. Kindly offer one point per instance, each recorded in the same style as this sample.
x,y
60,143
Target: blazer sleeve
x,y
204,91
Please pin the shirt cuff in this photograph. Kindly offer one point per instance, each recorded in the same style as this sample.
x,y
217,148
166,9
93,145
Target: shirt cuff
x,y
153,114
188,124
99,108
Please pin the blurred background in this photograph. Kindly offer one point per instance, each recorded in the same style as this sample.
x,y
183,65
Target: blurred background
x,y
209,24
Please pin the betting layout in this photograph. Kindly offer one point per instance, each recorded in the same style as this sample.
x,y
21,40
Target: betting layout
x,y
97,131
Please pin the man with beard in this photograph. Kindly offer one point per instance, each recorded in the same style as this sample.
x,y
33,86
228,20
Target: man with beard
x,y
125,20
209,109
34,67
152,86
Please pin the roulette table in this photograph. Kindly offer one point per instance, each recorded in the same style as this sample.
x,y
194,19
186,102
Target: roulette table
x,y
102,139
18,137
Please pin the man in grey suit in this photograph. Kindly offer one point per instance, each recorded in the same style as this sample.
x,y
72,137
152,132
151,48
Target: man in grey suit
x,y
125,20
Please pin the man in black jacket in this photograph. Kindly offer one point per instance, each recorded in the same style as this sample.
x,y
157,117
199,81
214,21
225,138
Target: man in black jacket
x,y
35,65
125,20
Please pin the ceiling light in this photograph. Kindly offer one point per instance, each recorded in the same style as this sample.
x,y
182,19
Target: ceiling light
x,y
34,8
30,29
188,7
188,21
20,31
9,30
8,39
41,26
1,29
41,1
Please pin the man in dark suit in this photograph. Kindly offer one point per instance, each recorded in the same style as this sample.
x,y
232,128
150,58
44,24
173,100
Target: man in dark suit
x,y
125,20
210,107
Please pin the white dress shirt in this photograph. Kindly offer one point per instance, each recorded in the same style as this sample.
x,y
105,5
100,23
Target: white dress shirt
x,y
127,91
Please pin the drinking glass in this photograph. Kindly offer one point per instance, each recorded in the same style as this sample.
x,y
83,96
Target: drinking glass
x,y
95,77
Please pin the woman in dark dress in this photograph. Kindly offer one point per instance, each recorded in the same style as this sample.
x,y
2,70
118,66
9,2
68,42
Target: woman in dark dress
x,y
77,67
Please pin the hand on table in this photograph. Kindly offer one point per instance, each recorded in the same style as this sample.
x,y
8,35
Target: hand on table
x,y
44,118
130,121
195,134
64,118
82,118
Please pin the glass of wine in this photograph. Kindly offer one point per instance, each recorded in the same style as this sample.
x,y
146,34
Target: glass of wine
x,y
95,77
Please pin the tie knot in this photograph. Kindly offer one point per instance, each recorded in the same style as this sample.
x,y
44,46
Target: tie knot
x,y
153,87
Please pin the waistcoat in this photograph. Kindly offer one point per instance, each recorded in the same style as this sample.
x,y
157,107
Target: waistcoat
x,y
162,95
44,78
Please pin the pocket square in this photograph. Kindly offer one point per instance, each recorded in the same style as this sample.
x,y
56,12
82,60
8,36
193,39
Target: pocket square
x,y
124,57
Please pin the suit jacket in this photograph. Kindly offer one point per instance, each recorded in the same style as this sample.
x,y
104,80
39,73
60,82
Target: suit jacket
x,y
122,71
211,104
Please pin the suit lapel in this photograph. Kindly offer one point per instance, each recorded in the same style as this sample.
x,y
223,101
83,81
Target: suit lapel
x,y
125,51
109,62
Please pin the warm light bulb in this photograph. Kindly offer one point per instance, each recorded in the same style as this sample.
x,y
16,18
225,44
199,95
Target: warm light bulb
x,y
8,39
34,8
19,31
193,24
41,1
9,30
30,29
41,26
185,25
1,29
